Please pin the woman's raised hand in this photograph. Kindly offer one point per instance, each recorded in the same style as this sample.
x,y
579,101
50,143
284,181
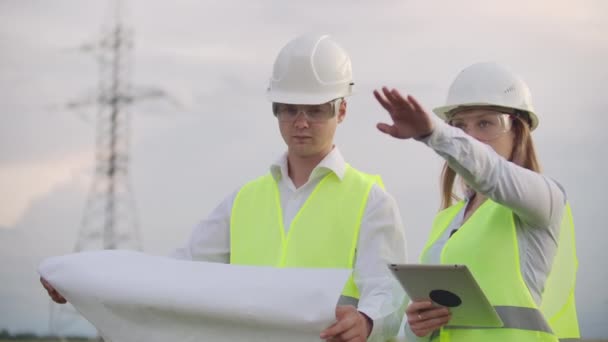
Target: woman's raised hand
x,y
410,120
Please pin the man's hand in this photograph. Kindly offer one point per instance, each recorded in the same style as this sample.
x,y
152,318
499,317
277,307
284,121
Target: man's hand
x,y
55,296
351,326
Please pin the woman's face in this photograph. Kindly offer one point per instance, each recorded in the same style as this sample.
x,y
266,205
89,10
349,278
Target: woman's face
x,y
488,126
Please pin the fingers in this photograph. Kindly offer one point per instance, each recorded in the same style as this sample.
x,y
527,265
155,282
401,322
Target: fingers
x,y
423,318
393,101
426,326
44,282
348,335
383,102
351,326
387,129
338,328
400,100
55,296
410,120
423,311
416,306
387,98
415,104
389,95
396,100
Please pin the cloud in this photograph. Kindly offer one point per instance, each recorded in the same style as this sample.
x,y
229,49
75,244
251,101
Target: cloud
x,y
25,183
47,227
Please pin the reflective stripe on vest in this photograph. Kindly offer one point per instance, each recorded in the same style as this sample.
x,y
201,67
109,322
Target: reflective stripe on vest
x,y
435,335
323,234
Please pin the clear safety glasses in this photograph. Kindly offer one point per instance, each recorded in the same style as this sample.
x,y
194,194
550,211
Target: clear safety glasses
x,y
312,113
484,126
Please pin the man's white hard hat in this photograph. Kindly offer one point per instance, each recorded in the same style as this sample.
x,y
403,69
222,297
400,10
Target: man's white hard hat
x,y
310,69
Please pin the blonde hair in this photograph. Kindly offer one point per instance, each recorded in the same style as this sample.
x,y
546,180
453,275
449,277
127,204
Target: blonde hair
x,y
522,154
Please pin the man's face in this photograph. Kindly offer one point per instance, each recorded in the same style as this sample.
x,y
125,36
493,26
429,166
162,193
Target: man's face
x,y
308,130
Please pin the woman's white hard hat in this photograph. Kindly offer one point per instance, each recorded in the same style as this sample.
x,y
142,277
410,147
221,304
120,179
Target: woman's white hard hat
x,y
488,84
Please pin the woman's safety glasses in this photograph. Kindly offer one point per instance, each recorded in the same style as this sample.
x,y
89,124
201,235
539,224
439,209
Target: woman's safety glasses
x,y
483,126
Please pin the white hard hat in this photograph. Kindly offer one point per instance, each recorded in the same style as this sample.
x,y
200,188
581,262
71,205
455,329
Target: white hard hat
x,y
488,84
311,69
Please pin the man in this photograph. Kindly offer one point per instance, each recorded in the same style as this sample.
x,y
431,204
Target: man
x,y
313,209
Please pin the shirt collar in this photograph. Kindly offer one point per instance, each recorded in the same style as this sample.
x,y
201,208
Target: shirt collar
x,y
333,162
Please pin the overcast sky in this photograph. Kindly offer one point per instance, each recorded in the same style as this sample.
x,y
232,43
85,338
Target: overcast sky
x,y
215,57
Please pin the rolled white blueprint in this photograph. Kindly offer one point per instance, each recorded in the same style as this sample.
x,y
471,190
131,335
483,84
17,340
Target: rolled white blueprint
x,y
130,297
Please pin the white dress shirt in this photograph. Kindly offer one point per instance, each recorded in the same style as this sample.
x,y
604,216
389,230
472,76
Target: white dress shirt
x,y
381,241
537,202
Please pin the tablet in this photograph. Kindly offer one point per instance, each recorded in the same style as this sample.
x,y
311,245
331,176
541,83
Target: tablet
x,y
452,286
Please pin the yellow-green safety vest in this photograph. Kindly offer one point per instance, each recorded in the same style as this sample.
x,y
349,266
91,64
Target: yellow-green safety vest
x,y
487,244
323,234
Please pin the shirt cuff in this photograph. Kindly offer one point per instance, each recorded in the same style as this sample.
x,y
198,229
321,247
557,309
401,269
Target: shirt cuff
x,y
442,135
376,333
370,321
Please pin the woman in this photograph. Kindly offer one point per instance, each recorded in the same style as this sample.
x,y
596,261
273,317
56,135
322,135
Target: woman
x,y
513,229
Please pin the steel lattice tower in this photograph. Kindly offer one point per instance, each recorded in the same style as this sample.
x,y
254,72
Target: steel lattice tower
x,y
109,220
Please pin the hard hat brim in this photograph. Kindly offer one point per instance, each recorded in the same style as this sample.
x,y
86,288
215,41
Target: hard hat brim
x,y
303,99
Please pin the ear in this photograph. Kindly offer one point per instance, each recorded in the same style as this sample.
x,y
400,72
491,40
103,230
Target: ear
x,y
342,111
